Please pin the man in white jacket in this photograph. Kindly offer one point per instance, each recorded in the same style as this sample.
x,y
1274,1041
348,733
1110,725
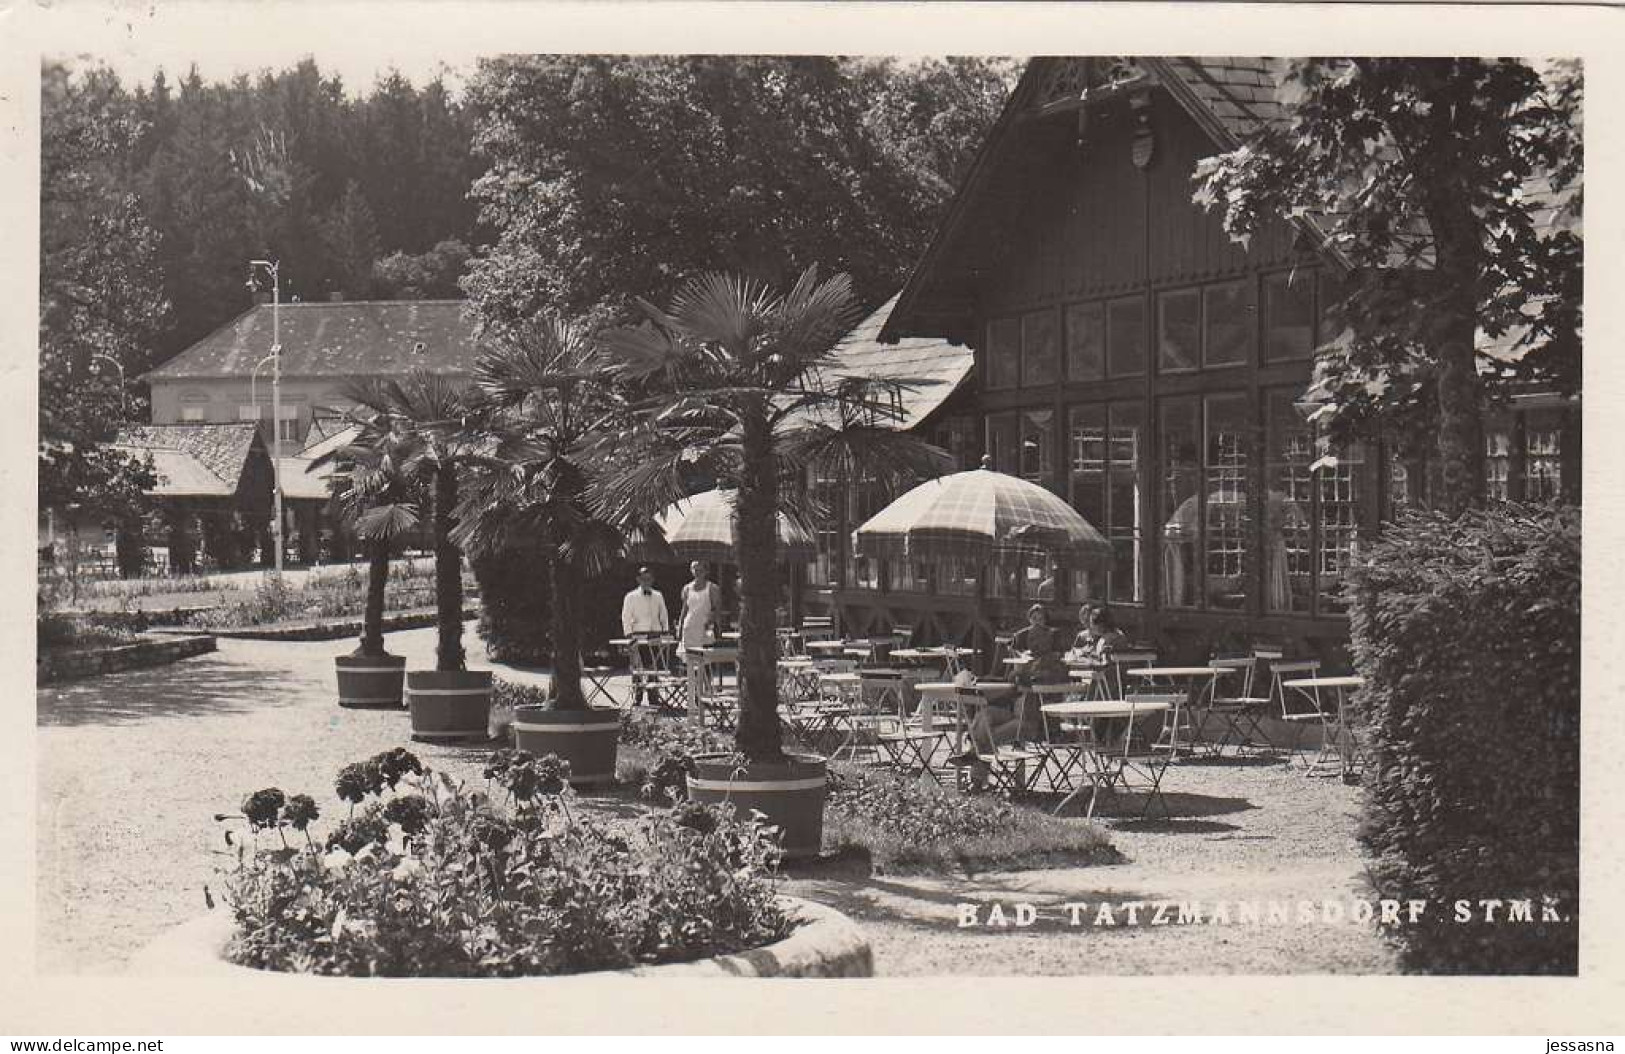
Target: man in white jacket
x,y
643,613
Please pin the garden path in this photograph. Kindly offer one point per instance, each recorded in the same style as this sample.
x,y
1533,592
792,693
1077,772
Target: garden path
x,y
131,767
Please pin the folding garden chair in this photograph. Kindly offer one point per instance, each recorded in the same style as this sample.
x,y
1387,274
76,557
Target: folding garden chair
x,y
1242,711
1109,682
1013,767
1138,765
1299,709
714,688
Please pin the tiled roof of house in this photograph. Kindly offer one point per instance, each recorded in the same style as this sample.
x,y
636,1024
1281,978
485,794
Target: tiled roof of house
x,y
336,339
932,368
1240,93
193,460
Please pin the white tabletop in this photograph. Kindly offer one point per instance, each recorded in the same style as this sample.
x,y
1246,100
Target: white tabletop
x,y
937,688
1326,682
1103,708
1178,671
1059,688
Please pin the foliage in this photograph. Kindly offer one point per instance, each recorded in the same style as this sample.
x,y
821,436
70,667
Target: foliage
x,y
278,599
431,275
515,613
909,825
736,388
434,879
545,401
615,175
1467,632
101,299
1432,179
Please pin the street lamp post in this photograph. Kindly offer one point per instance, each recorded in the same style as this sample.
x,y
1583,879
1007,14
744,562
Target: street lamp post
x,y
271,267
123,392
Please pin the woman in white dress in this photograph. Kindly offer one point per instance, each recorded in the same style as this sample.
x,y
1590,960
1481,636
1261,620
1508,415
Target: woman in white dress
x,y
700,602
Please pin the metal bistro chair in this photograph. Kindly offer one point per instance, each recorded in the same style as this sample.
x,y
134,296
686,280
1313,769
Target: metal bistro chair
x,y
653,679
1109,682
716,685
1139,765
1013,767
1299,709
910,745
1241,712
817,627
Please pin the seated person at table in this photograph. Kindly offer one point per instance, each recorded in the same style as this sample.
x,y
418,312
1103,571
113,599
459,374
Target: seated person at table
x,y
1083,645
1006,720
1106,634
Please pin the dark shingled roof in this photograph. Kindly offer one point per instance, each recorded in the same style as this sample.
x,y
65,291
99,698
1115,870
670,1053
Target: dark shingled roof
x,y
193,460
931,366
367,338
1240,93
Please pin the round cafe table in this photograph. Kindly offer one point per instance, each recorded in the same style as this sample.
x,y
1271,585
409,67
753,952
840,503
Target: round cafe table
x,y
1194,677
1102,772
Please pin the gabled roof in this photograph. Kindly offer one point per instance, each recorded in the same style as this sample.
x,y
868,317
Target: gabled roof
x,y
930,367
336,339
194,460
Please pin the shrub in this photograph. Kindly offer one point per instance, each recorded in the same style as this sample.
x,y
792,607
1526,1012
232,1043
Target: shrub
x,y
333,595
908,824
515,594
1468,634
436,880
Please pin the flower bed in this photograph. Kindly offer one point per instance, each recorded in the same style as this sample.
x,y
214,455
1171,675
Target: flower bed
x,y
427,877
275,600
903,825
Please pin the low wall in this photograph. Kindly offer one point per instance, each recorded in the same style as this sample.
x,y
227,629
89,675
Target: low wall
x,y
335,628
67,666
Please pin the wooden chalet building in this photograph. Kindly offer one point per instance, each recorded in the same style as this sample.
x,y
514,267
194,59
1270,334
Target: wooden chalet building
x,y
1127,354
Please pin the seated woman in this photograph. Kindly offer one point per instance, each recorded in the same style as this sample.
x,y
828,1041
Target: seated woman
x,y
1108,636
1083,645
1002,722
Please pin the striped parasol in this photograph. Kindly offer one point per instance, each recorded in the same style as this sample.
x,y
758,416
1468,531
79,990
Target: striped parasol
x,y
978,516
701,527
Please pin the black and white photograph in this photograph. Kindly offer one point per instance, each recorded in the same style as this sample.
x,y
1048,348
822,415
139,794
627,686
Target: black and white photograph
x,y
852,512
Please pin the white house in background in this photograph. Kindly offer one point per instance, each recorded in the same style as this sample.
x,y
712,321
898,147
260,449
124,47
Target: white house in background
x,y
224,377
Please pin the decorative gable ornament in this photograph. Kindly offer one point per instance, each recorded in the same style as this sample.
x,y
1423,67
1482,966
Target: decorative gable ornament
x,y
1145,141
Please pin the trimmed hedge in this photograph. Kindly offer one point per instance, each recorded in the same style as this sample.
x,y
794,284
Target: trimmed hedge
x,y
1468,634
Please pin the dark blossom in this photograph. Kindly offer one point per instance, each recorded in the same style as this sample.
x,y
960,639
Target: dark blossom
x,y
351,785
262,807
300,811
411,812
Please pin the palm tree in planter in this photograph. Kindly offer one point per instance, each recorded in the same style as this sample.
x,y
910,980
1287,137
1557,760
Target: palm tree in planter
x,y
373,497
545,403
737,385
423,420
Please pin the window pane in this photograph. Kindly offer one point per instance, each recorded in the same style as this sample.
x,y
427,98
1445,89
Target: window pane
x,y
1288,566
1037,446
1179,330
1085,342
1003,353
1125,337
1039,579
824,568
865,573
1040,349
1400,486
1339,487
960,437
1086,451
1543,464
909,577
1497,463
1181,473
958,579
1125,454
1226,309
1002,443
1228,516
1289,316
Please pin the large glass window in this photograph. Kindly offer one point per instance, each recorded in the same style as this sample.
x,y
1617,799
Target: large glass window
x,y
823,571
1179,330
1003,368
956,578
1338,482
1125,337
1037,446
1181,475
1040,349
1497,464
865,497
1085,342
1227,324
1543,464
909,577
1332,289
1289,580
961,438
1289,316
1125,452
1003,442
1227,518
1086,455
1104,478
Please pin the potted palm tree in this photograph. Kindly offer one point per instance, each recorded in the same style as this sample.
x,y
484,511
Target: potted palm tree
x,y
737,387
422,419
545,403
375,501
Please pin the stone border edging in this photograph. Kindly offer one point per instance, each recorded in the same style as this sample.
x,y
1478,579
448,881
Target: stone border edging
x,y
825,943
138,656
335,629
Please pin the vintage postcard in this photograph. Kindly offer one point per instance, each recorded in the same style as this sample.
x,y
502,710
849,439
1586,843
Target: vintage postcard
x,y
893,507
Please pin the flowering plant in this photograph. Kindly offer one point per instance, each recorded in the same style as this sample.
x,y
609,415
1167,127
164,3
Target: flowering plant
x,y
438,879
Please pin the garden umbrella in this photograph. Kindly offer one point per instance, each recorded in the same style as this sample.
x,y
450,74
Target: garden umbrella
x,y
977,516
701,527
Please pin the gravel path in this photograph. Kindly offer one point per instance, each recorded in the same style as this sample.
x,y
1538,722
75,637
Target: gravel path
x,y
132,766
